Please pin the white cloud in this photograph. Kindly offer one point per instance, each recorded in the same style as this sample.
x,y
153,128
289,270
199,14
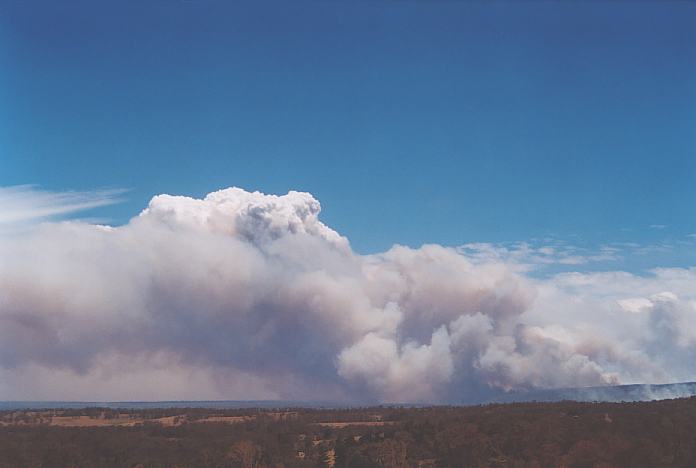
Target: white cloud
x,y
532,256
635,304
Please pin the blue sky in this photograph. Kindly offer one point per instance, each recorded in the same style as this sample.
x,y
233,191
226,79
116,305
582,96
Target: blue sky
x,y
412,122
552,144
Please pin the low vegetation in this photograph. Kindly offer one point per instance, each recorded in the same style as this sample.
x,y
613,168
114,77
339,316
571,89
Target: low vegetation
x,y
566,434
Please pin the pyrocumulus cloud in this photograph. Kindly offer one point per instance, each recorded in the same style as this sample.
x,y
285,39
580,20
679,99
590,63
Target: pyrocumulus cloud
x,y
244,295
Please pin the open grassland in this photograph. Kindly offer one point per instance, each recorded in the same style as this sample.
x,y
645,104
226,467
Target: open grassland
x,y
106,418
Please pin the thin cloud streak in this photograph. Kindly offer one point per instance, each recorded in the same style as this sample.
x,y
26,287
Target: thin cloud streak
x,y
21,205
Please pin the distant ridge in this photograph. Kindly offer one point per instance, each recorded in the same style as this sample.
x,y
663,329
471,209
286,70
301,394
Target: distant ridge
x,y
615,393
214,404
612,393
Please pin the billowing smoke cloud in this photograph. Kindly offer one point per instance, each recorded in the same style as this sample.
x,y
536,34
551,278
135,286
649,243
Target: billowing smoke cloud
x,y
249,296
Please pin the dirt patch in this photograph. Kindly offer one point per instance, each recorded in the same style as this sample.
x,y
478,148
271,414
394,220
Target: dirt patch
x,y
339,425
226,419
86,421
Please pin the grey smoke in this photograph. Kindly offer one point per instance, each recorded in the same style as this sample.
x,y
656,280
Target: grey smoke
x,y
245,295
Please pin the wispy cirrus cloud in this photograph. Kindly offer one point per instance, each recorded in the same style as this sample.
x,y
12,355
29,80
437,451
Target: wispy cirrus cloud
x,y
552,255
22,205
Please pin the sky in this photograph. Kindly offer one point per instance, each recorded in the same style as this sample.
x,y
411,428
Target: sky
x,y
381,201
412,122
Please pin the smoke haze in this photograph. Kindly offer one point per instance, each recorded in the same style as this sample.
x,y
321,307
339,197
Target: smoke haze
x,y
244,295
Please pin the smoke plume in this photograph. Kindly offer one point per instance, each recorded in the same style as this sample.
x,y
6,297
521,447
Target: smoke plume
x,y
250,296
